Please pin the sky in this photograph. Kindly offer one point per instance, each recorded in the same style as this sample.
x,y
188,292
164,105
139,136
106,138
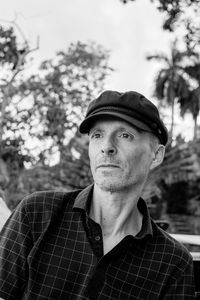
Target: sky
x,y
130,32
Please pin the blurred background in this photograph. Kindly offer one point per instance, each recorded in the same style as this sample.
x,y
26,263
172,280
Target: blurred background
x,y
56,56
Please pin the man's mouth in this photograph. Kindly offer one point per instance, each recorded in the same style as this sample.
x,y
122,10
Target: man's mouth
x,y
107,166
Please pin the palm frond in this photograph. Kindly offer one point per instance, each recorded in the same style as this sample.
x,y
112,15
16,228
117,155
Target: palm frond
x,y
159,57
193,71
160,84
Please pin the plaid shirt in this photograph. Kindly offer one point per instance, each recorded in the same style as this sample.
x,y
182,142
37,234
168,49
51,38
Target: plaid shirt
x,y
51,249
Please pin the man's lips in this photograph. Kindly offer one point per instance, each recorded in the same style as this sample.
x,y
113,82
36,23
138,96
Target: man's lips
x,y
107,166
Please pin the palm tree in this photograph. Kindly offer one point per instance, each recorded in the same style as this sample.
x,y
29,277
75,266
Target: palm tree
x,y
170,82
192,102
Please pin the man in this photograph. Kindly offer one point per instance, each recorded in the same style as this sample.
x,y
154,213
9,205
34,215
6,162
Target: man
x,y
99,243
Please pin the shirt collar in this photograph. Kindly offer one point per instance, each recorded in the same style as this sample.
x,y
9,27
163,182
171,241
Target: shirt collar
x,y
83,199
146,223
82,202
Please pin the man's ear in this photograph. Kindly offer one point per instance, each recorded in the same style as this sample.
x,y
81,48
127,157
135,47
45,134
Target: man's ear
x,y
158,156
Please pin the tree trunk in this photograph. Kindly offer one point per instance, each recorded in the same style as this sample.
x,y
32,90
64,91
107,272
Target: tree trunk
x,y
171,99
195,129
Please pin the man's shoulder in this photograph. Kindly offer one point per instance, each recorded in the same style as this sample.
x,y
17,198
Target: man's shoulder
x,y
39,209
173,249
48,202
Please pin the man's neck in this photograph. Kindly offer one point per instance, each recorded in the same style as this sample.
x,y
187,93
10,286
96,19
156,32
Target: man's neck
x,y
116,212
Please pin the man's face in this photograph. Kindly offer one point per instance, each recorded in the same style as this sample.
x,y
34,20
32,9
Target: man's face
x,y
120,155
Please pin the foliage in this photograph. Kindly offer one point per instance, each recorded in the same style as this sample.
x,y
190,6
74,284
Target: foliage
x,y
47,106
178,196
13,59
10,50
190,102
176,202
70,173
170,83
174,185
175,12
62,89
59,94
179,81
12,154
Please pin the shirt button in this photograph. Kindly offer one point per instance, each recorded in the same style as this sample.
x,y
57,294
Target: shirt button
x,y
97,238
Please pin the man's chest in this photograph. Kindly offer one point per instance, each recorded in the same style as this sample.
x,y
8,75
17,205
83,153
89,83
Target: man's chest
x,y
68,268
61,263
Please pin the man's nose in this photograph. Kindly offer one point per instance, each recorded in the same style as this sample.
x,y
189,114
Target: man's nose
x,y
108,147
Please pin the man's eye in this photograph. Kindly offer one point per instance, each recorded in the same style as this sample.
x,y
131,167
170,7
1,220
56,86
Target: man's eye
x,y
126,135
96,135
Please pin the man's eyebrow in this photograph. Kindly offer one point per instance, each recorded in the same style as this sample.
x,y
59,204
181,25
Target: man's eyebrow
x,y
120,128
129,128
93,129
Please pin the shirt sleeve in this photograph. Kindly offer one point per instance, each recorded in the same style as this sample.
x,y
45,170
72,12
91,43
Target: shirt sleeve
x,y
181,285
15,245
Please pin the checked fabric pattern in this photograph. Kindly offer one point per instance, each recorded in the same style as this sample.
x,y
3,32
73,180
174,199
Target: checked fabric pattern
x,y
51,249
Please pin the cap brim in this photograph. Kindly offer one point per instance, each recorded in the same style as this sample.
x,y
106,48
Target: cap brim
x,y
86,125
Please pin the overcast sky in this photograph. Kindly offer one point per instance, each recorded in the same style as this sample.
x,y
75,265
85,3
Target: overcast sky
x,y
129,31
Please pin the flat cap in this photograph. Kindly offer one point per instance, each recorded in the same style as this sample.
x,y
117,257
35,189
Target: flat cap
x,y
131,107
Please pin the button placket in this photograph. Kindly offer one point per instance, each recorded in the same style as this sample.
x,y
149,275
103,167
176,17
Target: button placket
x,y
97,238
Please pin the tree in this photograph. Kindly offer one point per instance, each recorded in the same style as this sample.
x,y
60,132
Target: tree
x,y
62,89
191,102
13,60
14,53
170,83
176,11
47,106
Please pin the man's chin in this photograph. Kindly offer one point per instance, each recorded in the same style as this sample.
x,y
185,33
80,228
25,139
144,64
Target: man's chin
x,y
111,187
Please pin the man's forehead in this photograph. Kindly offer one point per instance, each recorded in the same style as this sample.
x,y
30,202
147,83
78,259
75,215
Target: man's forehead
x,y
113,122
